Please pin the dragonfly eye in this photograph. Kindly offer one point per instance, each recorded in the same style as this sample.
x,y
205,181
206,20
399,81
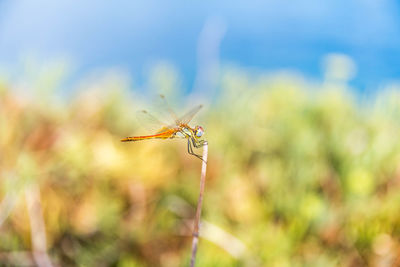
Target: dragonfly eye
x,y
199,131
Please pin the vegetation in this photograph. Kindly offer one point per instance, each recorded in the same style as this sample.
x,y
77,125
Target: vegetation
x,y
299,174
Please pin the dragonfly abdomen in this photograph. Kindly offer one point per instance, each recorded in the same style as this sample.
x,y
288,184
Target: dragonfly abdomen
x,y
163,135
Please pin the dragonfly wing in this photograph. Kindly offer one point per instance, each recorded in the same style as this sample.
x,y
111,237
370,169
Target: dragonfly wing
x,y
189,115
150,122
165,106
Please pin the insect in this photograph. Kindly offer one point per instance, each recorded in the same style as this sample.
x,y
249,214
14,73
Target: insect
x,y
179,129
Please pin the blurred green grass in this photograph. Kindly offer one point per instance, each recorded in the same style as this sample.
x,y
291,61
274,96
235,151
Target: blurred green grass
x,y
299,174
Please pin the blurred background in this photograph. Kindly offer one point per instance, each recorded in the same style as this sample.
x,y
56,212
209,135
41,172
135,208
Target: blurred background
x,y
301,112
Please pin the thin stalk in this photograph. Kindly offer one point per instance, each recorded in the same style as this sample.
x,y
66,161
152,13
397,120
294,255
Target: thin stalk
x,y
38,229
196,228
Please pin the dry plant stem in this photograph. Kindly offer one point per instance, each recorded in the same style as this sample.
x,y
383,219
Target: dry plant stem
x,y
199,204
7,205
38,230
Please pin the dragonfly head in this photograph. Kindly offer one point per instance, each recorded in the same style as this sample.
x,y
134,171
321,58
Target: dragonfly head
x,y
198,131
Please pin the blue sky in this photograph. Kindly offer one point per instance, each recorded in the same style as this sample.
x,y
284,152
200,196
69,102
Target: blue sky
x,y
267,35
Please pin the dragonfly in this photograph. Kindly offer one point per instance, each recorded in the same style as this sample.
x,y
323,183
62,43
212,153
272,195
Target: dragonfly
x,y
179,129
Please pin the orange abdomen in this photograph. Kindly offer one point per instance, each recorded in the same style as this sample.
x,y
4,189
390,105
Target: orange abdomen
x,y
163,135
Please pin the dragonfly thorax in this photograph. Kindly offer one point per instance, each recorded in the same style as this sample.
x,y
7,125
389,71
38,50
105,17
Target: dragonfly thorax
x,y
184,132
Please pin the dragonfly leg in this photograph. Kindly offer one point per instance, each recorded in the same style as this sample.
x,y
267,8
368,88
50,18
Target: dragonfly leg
x,y
190,150
198,143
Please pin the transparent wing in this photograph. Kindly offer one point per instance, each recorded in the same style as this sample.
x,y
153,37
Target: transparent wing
x,y
185,119
150,122
165,106
154,125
